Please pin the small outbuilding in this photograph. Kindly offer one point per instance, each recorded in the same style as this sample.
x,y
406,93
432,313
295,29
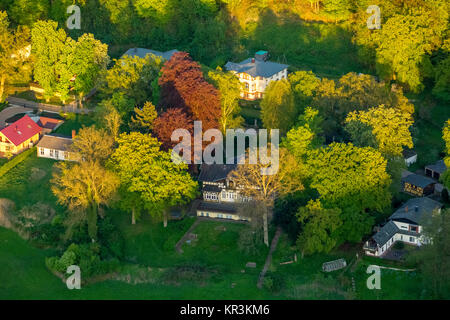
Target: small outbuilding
x,y
410,156
435,170
418,185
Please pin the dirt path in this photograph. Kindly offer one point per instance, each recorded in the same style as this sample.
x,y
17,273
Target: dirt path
x,y
186,235
273,246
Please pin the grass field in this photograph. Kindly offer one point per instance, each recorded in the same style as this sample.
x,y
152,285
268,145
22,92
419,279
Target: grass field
x,y
29,182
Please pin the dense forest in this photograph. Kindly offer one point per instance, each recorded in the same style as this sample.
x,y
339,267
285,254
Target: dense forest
x,y
215,31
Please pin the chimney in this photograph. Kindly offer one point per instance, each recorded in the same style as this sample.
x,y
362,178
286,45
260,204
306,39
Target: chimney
x,y
253,60
73,134
406,209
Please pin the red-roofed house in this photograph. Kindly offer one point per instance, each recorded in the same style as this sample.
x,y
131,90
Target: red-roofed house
x,y
20,135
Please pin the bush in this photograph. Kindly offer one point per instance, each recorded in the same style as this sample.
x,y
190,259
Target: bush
x,y
16,160
111,240
399,245
87,257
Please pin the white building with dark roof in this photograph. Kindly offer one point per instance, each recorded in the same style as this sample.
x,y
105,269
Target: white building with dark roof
x,y
221,196
404,225
256,73
55,147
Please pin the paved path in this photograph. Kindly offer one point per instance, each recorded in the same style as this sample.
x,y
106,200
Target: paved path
x,y
72,107
10,112
186,235
273,246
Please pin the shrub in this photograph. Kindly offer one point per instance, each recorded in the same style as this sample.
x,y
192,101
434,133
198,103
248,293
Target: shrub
x,y
87,257
16,160
399,245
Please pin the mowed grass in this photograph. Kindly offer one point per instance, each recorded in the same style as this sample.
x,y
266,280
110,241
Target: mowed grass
x,y
24,276
394,284
75,122
29,182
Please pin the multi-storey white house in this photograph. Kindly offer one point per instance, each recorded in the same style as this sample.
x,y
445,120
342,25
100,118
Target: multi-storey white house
x,y
220,194
256,73
404,225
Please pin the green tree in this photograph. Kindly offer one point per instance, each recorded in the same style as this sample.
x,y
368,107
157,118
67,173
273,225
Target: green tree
x,y
390,127
93,144
229,87
278,110
90,58
49,46
133,76
319,228
351,179
84,187
14,60
146,170
433,259
144,118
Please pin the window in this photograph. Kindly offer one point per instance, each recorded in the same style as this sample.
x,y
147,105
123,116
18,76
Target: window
x,y
219,215
414,228
412,239
42,151
51,152
56,153
229,216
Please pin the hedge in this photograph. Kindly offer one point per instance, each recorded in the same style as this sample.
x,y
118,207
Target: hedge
x,y
15,161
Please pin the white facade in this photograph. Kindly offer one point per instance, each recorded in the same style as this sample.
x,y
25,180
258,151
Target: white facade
x,y
409,161
53,154
254,87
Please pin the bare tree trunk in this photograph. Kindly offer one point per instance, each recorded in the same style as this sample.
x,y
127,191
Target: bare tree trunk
x,y
165,218
265,226
133,216
2,87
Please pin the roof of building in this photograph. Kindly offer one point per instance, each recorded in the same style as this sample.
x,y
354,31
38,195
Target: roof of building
x,y
215,172
439,166
416,209
55,142
217,207
385,233
256,68
418,180
408,153
48,123
21,130
142,52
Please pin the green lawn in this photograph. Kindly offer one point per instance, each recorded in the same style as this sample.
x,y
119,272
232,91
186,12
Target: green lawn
x,y
75,122
29,182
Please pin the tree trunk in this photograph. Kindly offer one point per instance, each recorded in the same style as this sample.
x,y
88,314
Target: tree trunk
x,y
133,216
80,100
165,218
2,87
266,228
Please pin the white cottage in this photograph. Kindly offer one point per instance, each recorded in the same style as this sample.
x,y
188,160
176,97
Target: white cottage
x,y
404,225
55,147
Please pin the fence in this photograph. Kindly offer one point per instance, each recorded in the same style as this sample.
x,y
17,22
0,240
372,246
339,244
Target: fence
x,y
68,108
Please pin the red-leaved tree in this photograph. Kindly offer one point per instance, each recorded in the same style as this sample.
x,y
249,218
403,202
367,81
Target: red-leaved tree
x,y
183,86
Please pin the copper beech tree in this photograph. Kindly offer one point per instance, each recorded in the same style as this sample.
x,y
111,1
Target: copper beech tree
x,y
183,86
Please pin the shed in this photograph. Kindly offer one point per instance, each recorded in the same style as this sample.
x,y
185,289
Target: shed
x,y
334,265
